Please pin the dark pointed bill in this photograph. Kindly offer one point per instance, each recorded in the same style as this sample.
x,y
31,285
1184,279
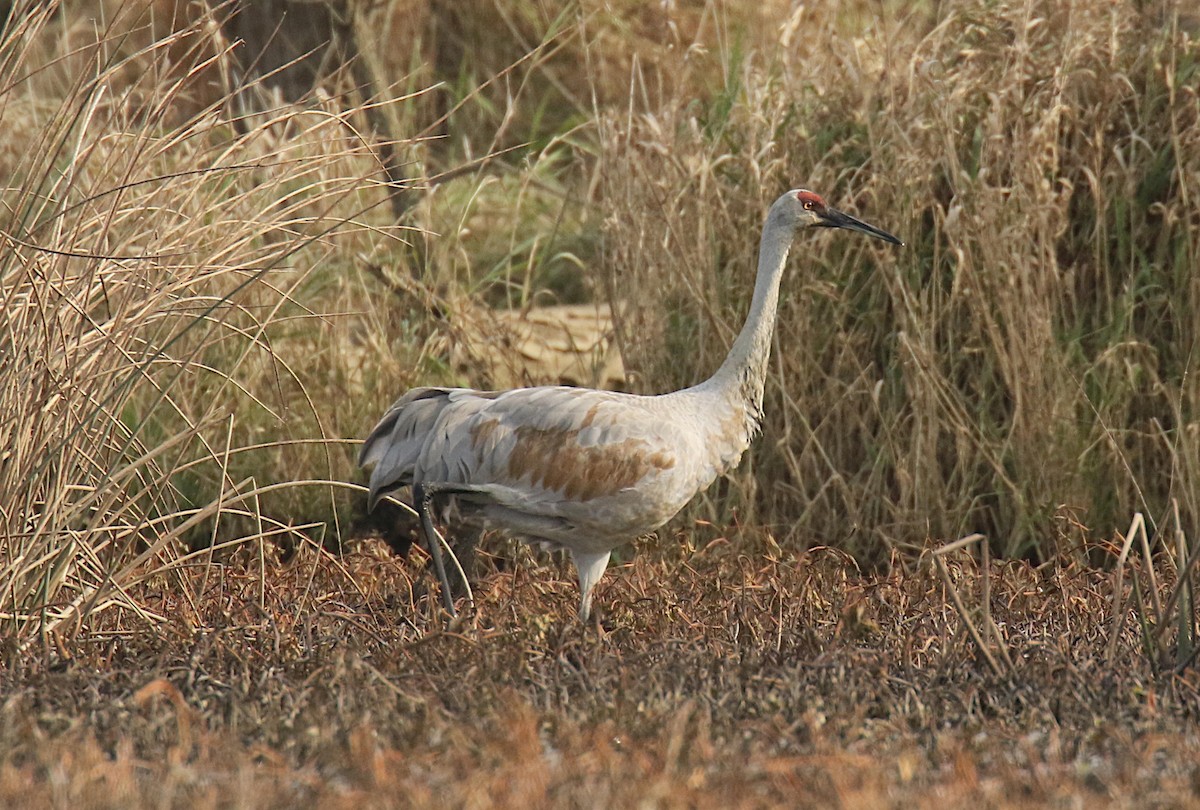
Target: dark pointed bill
x,y
833,218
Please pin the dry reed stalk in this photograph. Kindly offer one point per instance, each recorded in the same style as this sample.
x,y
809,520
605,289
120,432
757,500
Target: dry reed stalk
x,y
1138,524
988,624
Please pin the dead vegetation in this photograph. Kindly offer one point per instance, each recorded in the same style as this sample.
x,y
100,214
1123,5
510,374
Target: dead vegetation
x,y
723,677
204,309
1028,357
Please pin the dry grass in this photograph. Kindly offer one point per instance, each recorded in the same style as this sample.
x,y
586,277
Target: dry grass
x,y
202,313
1028,357
153,289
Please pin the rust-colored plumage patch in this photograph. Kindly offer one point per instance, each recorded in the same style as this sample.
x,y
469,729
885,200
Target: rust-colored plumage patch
x,y
482,432
733,426
590,416
553,459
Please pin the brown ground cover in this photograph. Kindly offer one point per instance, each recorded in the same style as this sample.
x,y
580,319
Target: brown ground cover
x,y
720,677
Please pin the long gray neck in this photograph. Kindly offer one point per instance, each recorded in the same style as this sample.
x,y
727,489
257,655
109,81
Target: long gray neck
x,y
743,374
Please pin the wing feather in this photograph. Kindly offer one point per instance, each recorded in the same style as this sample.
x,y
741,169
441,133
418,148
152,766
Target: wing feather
x,y
550,451
395,443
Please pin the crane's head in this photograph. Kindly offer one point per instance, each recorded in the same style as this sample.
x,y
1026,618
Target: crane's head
x,y
802,208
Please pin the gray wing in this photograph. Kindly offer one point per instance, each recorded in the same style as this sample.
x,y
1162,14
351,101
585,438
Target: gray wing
x,y
395,443
533,449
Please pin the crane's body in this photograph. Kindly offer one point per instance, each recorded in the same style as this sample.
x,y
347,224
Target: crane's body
x,y
587,470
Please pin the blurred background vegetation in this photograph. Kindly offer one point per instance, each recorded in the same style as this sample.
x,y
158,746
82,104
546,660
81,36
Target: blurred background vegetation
x,y
234,233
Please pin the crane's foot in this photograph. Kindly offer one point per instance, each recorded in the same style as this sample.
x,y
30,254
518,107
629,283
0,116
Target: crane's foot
x,y
595,625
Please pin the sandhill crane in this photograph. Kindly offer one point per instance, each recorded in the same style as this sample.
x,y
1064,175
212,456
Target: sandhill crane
x,y
581,469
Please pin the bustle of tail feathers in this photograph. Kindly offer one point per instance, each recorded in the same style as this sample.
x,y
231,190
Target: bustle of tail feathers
x,y
395,443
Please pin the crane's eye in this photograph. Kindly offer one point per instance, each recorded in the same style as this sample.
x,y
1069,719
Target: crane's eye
x,y
808,205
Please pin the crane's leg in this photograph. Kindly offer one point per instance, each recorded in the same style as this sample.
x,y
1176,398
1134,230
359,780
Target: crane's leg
x,y
423,503
590,567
